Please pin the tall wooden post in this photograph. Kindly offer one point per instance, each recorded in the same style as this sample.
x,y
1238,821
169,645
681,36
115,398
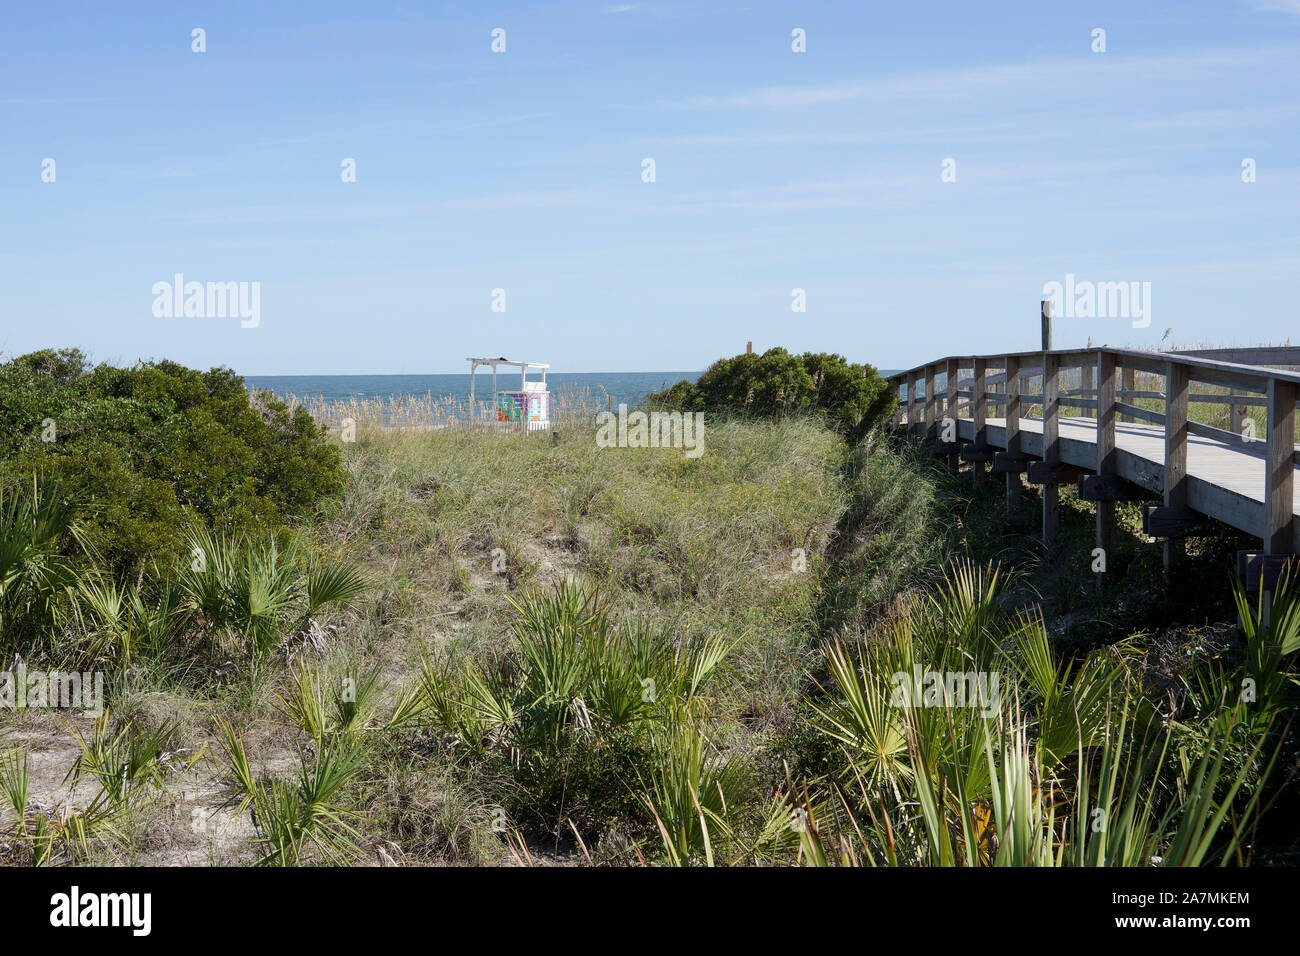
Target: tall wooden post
x,y
1013,429
1177,385
950,411
1045,314
1281,536
931,401
1107,456
980,386
1051,443
911,405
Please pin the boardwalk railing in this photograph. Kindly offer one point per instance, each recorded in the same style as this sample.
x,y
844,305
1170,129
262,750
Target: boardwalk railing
x,y
949,399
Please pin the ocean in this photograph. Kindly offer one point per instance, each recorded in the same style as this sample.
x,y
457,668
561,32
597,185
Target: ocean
x,y
628,387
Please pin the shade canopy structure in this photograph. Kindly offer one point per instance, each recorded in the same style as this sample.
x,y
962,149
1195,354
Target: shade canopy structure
x,y
523,367
528,406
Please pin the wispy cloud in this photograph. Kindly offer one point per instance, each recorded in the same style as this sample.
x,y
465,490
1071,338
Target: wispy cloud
x,y
976,81
1277,6
304,213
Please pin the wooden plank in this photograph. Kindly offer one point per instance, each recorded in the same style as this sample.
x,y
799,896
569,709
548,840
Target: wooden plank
x,y
1142,414
1235,439
1279,469
1012,413
1128,380
1051,445
1268,355
1227,374
1201,398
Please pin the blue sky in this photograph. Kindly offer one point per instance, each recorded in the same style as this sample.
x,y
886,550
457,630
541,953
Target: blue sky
x,y
521,170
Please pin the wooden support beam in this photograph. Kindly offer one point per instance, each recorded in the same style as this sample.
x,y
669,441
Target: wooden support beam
x,y
947,448
981,389
1111,488
1258,570
1012,414
1107,453
1013,465
1177,383
1164,521
976,455
1050,474
1051,437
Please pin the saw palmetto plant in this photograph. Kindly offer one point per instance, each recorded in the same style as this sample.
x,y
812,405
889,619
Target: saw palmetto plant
x,y
303,816
39,534
258,592
1071,767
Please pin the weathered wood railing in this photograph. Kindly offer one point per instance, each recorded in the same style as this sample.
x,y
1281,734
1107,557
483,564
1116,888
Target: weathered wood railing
x,y
1107,389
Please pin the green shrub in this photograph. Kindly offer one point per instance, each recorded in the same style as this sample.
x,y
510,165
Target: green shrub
x,y
852,397
144,449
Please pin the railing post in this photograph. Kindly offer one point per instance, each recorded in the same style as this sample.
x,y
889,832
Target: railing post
x,y
931,400
1280,533
1128,380
1051,441
911,402
1013,429
1236,415
950,410
1177,382
980,386
1107,456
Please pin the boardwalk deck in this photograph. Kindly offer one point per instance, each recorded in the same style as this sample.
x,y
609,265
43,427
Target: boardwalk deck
x,y
1243,476
1223,481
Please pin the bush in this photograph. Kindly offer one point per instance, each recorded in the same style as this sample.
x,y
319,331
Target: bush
x,y
852,397
144,449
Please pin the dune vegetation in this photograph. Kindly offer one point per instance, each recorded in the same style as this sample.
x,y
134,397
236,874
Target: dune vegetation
x,y
482,648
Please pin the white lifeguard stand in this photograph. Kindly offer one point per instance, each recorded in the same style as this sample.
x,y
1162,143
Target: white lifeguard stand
x,y
527,407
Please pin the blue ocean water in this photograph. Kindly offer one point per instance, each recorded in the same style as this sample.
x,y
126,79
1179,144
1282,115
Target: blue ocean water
x,y
628,387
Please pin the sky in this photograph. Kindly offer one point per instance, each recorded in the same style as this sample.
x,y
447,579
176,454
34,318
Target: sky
x,y
921,171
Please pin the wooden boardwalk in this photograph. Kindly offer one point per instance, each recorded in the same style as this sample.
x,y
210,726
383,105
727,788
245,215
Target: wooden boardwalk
x,y
1223,481
1243,476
